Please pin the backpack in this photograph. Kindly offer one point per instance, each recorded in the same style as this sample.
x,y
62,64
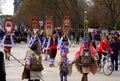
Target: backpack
x,y
86,59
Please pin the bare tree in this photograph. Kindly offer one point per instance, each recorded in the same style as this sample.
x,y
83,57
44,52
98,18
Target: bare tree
x,y
112,7
56,8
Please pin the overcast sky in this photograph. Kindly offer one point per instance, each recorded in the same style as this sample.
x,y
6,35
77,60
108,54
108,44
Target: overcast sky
x,y
8,7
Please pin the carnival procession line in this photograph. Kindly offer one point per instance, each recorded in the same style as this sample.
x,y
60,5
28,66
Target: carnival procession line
x,y
14,69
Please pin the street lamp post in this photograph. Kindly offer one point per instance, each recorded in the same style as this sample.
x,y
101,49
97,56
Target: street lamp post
x,y
85,17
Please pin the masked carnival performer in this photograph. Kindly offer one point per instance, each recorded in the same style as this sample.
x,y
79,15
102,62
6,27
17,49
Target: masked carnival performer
x,y
7,41
48,29
86,58
52,40
34,46
63,63
52,44
65,31
34,64
34,40
63,45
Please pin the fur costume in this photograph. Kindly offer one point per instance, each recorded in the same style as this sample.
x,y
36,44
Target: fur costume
x,y
90,66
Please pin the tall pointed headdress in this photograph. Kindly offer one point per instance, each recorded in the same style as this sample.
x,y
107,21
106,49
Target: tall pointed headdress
x,y
35,25
66,25
48,27
86,38
8,25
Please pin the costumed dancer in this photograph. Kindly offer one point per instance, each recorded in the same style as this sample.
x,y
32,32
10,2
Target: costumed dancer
x,y
7,41
63,45
52,44
86,58
34,40
65,31
63,63
34,64
48,29
52,40
33,45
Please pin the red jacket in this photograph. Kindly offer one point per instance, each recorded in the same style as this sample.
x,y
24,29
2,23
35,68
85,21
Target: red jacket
x,y
103,45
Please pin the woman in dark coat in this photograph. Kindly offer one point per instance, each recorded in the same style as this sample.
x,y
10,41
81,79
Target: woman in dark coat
x,y
115,44
2,67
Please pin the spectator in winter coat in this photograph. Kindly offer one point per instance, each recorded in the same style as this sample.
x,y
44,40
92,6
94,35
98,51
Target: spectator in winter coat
x,y
115,44
97,39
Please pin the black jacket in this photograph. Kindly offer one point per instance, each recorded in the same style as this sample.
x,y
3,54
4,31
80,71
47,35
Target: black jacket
x,y
2,68
115,45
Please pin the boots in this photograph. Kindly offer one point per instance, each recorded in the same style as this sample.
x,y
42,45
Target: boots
x,y
7,56
46,57
52,65
84,77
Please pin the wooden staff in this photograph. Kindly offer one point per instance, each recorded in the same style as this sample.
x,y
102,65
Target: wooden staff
x,y
15,58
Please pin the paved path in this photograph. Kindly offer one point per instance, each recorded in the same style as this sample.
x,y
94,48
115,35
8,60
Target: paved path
x,y
14,69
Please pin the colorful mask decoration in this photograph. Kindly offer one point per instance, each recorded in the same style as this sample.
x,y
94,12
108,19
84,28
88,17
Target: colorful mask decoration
x,y
49,27
8,25
66,26
35,25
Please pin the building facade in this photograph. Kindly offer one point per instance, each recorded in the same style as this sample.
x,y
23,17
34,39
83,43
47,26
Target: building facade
x,y
17,4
